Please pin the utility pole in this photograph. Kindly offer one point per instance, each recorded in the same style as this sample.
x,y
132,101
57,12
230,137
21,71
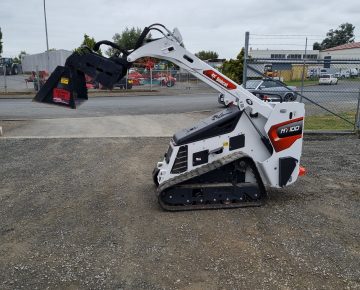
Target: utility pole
x,y
303,72
246,54
47,41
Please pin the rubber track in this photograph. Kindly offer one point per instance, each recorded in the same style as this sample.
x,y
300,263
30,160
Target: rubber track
x,y
202,170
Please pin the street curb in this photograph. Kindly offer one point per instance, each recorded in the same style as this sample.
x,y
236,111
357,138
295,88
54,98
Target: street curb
x,y
84,137
326,132
21,95
143,94
146,136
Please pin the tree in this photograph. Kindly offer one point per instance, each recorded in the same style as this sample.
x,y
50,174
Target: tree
x,y
18,59
89,42
126,39
233,68
342,35
1,44
205,55
316,46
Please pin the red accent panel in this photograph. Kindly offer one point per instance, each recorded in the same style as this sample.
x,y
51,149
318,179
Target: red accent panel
x,y
302,171
61,96
289,136
219,79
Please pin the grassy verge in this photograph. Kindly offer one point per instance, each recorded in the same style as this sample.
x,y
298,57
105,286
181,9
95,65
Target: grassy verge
x,y
329,122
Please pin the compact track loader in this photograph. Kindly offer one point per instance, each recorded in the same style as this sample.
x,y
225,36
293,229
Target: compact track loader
x,y
226,160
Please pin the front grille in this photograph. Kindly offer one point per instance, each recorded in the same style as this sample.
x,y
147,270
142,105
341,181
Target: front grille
x,y
181,160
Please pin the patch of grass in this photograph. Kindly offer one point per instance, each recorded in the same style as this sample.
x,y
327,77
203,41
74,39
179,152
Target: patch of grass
x,y
298,83
330,122
352,79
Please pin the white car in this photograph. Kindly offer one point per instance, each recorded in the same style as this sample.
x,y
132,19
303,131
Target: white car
x,y
327,79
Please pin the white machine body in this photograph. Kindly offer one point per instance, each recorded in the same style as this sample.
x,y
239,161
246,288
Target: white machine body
x,y
280,125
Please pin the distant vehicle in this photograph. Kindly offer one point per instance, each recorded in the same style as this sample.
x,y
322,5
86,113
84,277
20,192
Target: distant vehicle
x,y
269,72
352,72
328,79
337,75
38,79
313,72
287,93
125,84
344,74
324,71
136,77
11,68
166,80
268,90
159,78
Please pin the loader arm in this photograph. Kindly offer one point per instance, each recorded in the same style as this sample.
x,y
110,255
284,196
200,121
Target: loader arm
x,y
169,48
69,84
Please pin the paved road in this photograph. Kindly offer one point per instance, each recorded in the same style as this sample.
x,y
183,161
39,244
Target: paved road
x,y
345,90
342,97
110,106
15,83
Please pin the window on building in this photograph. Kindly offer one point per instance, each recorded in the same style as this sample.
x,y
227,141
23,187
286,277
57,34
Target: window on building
x,y
277,55
294,56
310,56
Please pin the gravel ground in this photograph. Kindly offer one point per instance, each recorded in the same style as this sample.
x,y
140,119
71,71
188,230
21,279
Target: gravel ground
x,y
82,214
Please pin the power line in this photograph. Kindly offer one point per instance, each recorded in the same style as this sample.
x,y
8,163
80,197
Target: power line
x,y
268,38
292,44
285,35
291,36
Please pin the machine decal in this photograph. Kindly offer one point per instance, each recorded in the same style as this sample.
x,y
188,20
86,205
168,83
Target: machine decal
x,y
219,79
64,81
61,96
283,135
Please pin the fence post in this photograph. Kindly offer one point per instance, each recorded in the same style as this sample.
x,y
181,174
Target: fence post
x,y
246,53
126,79
5,85
188,81
150,78
37,79
357,117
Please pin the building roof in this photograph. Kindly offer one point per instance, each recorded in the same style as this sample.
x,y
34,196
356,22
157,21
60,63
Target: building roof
x,y
344,46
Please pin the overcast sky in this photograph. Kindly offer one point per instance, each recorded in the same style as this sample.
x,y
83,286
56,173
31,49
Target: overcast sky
x,y
205,24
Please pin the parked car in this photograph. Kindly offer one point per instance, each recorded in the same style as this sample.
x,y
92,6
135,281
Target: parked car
x,y
268,90
277,90
328,79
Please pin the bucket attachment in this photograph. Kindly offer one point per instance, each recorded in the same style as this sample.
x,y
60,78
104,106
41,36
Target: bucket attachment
x,y
66,86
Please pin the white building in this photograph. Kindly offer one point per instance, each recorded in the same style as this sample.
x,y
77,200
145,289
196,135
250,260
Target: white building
x,y
284,54
350,51
33,62
345,51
